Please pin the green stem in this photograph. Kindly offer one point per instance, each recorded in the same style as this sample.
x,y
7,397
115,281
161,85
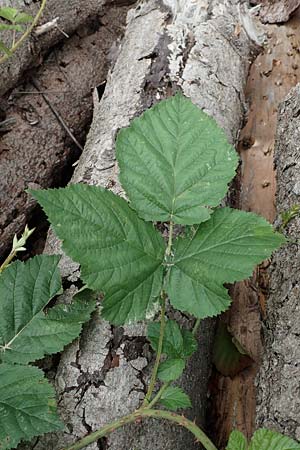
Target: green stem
x,y
26,34
141,413
157,397
8,260
159,350
196,326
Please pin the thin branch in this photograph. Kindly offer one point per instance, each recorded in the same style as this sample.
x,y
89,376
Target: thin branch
x,y
56,113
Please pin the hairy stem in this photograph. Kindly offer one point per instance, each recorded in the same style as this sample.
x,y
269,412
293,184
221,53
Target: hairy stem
x,y
15,47
139,414
159,350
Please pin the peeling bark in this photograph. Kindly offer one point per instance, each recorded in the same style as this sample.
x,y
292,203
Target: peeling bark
x,y
278,381
183,45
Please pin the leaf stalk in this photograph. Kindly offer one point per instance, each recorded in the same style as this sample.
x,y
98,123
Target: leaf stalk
x,y
159,350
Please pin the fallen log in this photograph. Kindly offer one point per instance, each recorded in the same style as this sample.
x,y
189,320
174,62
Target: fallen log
x,y
278,402
48,115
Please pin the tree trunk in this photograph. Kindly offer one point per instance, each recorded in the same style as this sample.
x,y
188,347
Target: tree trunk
x,y
278,380
170,45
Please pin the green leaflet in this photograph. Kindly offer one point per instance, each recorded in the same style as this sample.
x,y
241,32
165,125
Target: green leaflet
x,y
237,441
175,162
4,26
9,13
262,439
171,369
174,398
14,16
23,18
177,343
27,405
26,333
47,334
120,254
223,250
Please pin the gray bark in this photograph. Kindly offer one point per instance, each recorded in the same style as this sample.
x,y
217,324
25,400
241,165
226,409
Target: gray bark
x,y
167,45
72,14
279,378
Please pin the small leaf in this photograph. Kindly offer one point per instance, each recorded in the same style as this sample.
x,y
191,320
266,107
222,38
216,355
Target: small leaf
x,y
229,358
120,254
237,441
224,249
26,332
170,370
177,343
23,18
174,398
8,13
4,26
50,333
175,162
172,343
27,405
264,439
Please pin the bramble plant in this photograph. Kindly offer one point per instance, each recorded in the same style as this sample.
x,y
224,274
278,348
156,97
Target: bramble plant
x,y
175,166
15,21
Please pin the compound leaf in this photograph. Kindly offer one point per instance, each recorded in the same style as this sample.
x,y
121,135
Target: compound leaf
x,y
170,370
264,439
174,398
27,405
177,343
26,332
224,249
237,441
120,254
175,162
